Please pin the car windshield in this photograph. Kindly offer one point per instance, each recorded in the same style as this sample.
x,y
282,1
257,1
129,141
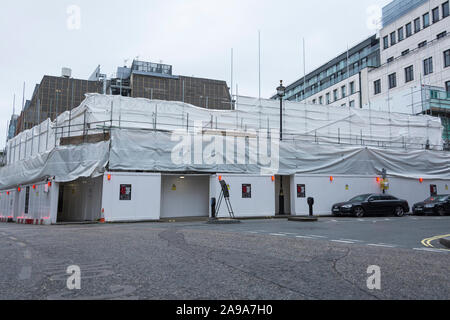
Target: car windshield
x,y
360,198
436,198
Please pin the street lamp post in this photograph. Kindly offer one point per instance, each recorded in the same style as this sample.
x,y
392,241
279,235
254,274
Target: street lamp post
x,y
281,91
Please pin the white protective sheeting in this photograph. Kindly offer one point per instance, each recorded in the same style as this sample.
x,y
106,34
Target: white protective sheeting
x,y
173,136
301,122
65,163
330,124
30,143
162,151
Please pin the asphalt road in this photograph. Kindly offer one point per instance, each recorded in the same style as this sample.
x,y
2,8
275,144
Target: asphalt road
x,y
257,259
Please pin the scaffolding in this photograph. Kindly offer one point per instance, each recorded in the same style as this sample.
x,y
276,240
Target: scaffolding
x,y
302,123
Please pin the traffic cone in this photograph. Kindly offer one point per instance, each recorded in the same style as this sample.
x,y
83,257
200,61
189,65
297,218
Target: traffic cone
x,y
102,219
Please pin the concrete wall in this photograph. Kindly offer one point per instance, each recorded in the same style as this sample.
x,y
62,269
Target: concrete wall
x,y
326,193
145,197
262,202
187,197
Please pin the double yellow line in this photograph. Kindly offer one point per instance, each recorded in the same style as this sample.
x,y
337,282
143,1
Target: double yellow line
x,y
427,242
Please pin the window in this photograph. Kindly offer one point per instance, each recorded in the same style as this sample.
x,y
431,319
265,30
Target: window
x,y
344,91
352,87
423,44
386,42
401,35
434,94
404,53
409,74
320,100
441,35
389,60
447,88
377,87
392,80
426,20
393,38
352,104
328,98
428,66
435,14
445,11
314,101
447,58
335,95
409,30
417,25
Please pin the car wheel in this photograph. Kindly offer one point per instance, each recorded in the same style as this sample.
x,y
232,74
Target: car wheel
x,y
399,212
358,212
441,211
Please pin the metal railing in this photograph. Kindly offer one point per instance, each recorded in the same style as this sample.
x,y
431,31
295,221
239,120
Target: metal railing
x,y
81,126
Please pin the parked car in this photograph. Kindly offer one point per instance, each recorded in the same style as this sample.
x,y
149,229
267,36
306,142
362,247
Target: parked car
x,y
371,204
433,205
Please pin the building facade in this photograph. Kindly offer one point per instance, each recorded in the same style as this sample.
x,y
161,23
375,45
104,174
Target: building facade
x,y
156,81
339,81
405,69
12,126
53,96
415,58
414,76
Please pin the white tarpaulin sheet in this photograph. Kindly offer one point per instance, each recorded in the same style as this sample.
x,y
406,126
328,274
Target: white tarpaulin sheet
x,y
173,136
182,152
301,122
66,163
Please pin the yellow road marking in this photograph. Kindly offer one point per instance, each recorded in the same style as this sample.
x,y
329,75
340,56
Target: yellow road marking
x,y
427,242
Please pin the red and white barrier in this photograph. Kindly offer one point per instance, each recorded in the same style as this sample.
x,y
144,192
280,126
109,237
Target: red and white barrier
x,y
31,221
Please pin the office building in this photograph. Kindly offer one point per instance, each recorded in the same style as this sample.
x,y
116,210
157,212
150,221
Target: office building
x,y
405,68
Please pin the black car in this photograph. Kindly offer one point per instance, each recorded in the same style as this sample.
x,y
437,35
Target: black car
x,y
371,204
433,205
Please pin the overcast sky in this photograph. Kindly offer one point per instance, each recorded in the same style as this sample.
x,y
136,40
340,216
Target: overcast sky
x,y
195,36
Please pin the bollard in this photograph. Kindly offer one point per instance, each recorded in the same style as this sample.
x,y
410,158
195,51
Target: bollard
x,y
311,204
213,208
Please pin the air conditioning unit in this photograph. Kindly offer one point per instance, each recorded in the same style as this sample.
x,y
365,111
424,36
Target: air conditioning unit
x,y
66,72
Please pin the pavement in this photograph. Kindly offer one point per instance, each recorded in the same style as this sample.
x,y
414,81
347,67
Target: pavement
x,y
256,260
